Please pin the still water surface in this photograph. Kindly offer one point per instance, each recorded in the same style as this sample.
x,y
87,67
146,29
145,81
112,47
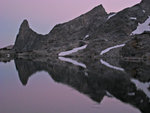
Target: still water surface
x,y
35,87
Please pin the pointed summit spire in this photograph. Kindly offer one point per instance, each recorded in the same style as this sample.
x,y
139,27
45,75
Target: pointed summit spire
x,y
24,25
99,9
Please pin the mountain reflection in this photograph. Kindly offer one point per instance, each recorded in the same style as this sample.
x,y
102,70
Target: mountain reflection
x,y
96,80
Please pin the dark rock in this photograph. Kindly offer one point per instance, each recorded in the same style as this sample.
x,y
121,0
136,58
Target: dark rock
x,y
27,39
137,47
137,70
145,5
62,36
7,54
102,32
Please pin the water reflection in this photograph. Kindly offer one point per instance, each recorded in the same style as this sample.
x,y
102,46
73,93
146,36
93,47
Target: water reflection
x,y
96,80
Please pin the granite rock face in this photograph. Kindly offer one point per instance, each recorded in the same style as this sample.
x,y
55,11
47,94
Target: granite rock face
x,y
27,39
62,36
138,46
96,28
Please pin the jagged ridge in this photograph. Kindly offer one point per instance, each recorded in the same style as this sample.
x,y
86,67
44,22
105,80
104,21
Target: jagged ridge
x,y
96,29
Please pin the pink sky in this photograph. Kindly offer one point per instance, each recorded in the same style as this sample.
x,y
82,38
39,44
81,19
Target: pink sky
x,y
57,10
44,14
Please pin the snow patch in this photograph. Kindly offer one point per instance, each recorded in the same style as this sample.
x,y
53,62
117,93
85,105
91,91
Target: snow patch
x,y
110,16
72,61
144,11
110,48
133,18
86,36
111,66
72,51
142,86
142,27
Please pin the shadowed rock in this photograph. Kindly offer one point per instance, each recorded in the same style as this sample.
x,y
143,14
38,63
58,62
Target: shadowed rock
x,y
137,47
95,28
62,36
27,39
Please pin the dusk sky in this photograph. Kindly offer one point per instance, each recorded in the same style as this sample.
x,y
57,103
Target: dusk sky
x,y
44,14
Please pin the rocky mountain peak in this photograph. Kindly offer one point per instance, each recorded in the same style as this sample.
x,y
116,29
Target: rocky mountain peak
x,y
25,37
96,28
24,25
99,9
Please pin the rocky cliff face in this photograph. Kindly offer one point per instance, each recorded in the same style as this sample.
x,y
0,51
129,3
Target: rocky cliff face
x,y
27,39
145,3
101,32
138,46
96,28
62,36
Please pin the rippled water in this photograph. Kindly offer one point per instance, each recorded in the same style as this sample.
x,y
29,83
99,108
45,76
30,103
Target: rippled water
x,y
61,87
